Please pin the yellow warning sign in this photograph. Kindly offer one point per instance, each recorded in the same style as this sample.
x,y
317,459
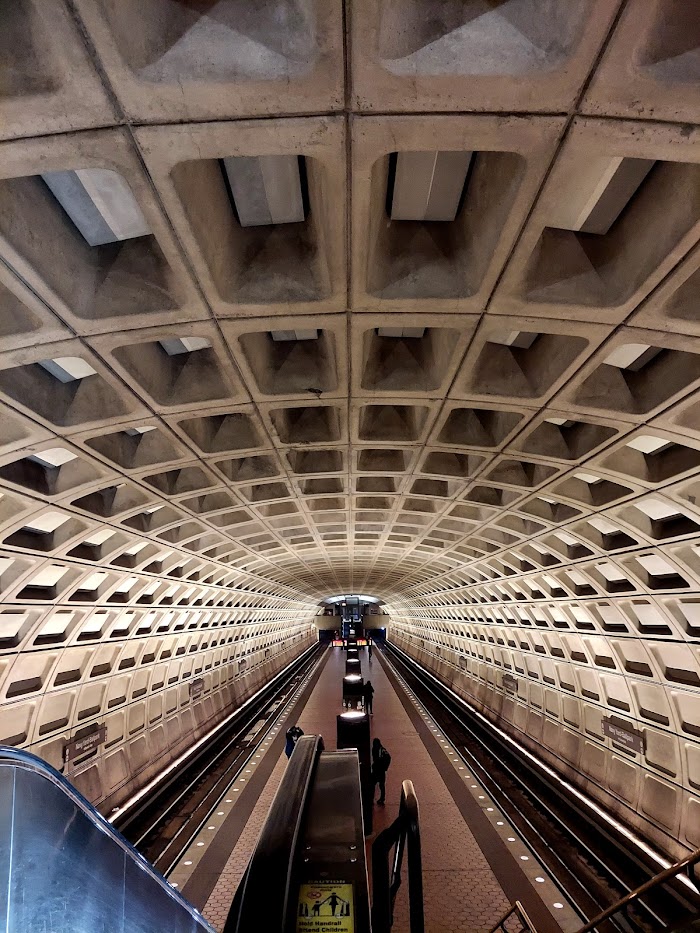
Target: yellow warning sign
x,y
326,907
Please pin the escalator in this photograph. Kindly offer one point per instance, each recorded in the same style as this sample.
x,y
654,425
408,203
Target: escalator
x,y
309,863
64,869
308,873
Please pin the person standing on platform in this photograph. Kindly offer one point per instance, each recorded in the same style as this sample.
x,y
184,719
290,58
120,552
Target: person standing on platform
x,y
381,759
293,734
369,696
369,649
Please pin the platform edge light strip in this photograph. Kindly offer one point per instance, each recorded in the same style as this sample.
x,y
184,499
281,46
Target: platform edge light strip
x,y
140,794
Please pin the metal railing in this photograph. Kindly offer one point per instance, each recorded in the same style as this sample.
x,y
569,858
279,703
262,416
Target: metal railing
x,y
674,871
403,834
517,913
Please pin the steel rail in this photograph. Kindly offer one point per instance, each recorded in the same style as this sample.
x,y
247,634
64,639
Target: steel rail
x,y
621,923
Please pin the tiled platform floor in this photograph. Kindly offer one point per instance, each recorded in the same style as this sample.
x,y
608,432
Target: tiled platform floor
x,y
461,892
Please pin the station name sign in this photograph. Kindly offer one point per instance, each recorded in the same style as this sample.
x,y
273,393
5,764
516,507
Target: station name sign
x,y
85,744
623,734
196,688
510,683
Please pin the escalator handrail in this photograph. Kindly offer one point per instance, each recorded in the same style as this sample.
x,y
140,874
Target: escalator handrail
x,y
19,759
404,833
265,889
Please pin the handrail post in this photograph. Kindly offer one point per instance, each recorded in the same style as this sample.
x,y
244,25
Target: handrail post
x,y
381,879
409,804
404,833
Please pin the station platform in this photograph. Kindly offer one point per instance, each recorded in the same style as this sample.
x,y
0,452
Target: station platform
x,y
475,864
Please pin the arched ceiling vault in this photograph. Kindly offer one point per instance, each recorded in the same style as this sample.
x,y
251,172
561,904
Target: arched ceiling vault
x,y
300,298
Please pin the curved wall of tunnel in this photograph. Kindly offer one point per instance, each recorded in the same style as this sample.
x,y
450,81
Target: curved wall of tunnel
x,y
315,298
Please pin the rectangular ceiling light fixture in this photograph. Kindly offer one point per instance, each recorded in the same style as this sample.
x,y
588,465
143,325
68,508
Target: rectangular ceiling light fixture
x,y
47,522
266,189
174,346
632,356
657,509
429,185
598,191
100,204
53,457
68,368
649,444
49,576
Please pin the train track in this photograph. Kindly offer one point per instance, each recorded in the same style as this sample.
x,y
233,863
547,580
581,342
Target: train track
x,y
592,861
165,822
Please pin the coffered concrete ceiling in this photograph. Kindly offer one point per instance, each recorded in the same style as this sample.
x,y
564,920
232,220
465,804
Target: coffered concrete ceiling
x,y
300,297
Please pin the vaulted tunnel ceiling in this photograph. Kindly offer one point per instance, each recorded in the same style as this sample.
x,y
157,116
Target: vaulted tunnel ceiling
x,y
301,298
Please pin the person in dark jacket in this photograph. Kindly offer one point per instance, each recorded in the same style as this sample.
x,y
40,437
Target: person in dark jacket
x,y
369,696
292,735
381,759
369,649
